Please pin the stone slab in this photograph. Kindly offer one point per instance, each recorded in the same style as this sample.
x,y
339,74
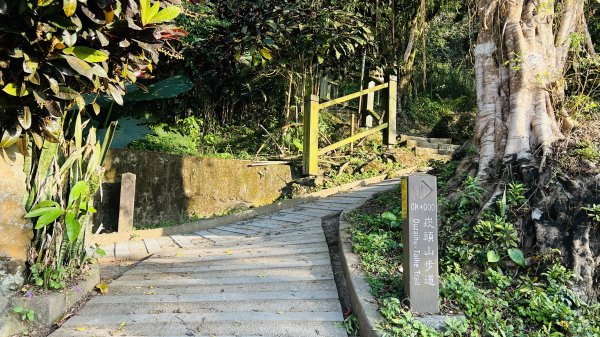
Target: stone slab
x,y
181,327
219,297
224,267
212,317
223,280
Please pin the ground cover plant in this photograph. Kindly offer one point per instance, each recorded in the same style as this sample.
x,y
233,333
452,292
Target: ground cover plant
x,y
501,289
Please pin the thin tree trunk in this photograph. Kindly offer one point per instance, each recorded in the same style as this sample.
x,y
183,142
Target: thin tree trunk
x,y
406,64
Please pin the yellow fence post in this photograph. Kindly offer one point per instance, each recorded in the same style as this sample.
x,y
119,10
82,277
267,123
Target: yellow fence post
x,y
370,106
311,136
390,134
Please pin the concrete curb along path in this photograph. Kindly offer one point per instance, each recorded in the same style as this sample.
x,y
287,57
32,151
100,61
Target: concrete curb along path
x,y
364,304
268,276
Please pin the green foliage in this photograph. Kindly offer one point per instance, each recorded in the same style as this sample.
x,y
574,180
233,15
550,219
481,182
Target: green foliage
x,y
187,138
484,273
593,212
54,51
60,200
262,65
351,325
588,150
26,314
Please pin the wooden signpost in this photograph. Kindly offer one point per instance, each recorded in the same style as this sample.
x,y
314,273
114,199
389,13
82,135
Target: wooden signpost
x,y
421,277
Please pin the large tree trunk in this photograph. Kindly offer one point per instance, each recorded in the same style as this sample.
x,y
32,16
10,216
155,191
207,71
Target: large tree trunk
x,y
520,58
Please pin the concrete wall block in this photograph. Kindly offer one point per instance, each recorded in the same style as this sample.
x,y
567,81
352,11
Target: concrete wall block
x,y
174,188
15,232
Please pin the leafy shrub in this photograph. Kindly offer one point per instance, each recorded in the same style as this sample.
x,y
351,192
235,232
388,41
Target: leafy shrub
x,y
54,51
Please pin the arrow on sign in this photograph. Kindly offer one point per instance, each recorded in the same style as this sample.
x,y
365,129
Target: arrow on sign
x,y
425,190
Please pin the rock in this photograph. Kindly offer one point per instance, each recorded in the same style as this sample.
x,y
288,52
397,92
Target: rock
x,y
373,166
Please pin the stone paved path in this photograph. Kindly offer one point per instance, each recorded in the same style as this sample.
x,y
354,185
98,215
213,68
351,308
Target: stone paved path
x,y
269,276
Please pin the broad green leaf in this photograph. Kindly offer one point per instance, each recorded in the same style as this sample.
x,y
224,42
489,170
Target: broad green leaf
x,y
86,54
389,216
11,136
36,212
98,71
69,39
24,117
517,256
48,218
73,226
79,66
30,315
18,310
166,14
148,11
265,53
144,9
80,188
46,203
15,90
492,256
69,6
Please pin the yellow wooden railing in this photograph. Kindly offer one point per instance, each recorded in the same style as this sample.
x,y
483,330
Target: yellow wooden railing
x,y
387,122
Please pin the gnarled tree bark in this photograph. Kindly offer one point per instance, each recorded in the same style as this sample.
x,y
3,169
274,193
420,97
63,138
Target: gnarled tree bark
x,y
521,57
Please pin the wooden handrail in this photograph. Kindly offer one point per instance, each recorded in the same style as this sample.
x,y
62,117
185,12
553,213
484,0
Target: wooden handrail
x,y
352,139
311,151
353,96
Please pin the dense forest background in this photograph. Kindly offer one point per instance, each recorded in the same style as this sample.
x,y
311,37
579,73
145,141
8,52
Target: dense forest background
x,y
248,65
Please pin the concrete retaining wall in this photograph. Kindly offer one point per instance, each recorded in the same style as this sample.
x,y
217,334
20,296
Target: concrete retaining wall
x,y
15,232
174,188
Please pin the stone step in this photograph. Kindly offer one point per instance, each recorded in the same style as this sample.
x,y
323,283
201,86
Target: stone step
x,y
428,151
110,320
448,147
333,208
218,297
251,305
318,285
280,247
220,280
216,274
266,253
145,270
313,212
313,256
288,227
266,240
426,139
220,240
177,325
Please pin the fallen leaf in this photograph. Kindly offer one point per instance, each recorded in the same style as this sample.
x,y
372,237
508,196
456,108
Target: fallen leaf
x,y
103,288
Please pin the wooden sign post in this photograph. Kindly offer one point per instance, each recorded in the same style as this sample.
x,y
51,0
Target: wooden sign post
x,y
421,277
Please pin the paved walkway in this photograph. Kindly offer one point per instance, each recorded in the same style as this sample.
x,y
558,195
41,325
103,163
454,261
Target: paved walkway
x,y
269,276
